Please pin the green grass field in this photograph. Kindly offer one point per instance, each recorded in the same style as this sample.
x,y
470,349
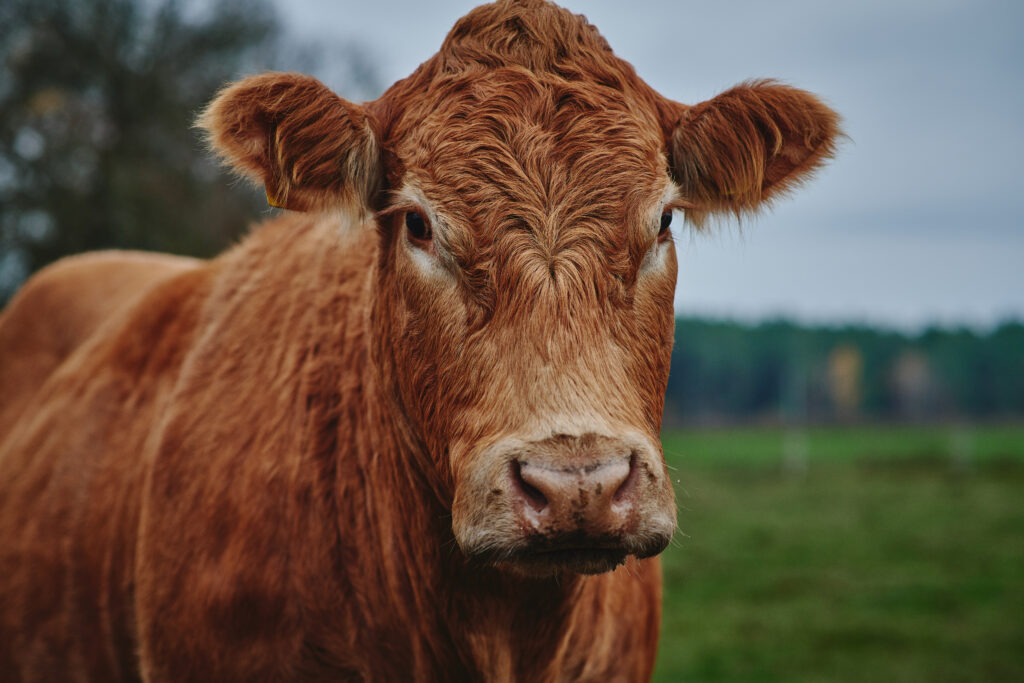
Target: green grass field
x,y
853,554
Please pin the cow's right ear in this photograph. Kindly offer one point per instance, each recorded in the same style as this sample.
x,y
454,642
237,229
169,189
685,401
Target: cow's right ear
x,y
310,149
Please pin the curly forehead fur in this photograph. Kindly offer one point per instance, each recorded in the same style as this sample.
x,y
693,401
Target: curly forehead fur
x,y
536,137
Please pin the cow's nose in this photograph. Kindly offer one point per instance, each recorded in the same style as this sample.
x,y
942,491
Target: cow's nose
x,y
595,498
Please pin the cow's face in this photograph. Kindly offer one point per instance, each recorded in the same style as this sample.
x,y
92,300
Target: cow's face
x,y
529,274
523,195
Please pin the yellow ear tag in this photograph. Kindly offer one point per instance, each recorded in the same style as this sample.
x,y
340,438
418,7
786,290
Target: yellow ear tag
x,y
272,200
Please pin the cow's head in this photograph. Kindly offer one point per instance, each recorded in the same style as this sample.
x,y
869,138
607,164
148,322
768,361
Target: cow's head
x,y
522,183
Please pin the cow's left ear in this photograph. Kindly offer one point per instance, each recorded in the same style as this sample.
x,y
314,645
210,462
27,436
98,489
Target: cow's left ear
x,y
309,148
748,145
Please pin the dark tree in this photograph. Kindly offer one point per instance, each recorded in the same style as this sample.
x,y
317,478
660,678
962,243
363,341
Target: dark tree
x,y
97,98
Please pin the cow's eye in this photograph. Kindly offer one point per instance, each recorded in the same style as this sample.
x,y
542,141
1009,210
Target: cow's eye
x,y
666,220
418,228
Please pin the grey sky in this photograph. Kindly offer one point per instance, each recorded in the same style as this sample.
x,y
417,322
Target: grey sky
x,y
918,219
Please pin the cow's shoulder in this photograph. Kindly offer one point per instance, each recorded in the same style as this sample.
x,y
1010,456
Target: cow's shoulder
x,y
63,305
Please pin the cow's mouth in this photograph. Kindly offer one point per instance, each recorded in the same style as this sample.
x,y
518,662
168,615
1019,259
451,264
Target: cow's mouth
x,y
542,557
560,560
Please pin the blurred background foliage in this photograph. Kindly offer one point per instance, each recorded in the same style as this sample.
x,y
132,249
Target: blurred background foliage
x,y
778,371
96,104
850,497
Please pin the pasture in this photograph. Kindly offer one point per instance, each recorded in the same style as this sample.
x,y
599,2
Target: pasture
x,y
846,554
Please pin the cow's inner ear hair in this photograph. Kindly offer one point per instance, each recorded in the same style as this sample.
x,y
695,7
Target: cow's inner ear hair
x,y
738,151
309,148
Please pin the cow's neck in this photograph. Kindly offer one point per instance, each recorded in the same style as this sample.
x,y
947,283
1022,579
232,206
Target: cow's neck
x,y
468,618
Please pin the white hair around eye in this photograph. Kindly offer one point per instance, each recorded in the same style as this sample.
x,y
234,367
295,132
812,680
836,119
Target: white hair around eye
x,y
661,217
423,229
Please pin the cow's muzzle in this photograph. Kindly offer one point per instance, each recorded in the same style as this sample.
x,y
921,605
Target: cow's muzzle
x,y
566,503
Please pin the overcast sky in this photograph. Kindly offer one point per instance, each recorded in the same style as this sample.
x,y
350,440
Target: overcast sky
x,y
917,221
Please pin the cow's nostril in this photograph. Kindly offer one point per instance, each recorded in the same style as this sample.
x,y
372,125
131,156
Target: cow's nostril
x,y
533,496
629,483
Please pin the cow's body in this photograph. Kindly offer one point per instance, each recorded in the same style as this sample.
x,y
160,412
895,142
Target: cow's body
x,y
411,434
137,548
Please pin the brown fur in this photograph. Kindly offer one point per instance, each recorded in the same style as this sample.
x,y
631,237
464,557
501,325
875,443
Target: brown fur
x,y
275,465
41,330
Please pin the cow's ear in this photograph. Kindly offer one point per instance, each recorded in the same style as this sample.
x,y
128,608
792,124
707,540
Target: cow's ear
x,y
309,148
748,145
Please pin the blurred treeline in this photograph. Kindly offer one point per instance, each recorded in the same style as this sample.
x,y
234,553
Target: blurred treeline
x,y
780,371
97,98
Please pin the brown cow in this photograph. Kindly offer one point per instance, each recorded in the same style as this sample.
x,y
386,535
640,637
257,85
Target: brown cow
x,y
408,434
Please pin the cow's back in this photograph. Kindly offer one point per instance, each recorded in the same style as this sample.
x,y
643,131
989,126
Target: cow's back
x,y
89,352
62,306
